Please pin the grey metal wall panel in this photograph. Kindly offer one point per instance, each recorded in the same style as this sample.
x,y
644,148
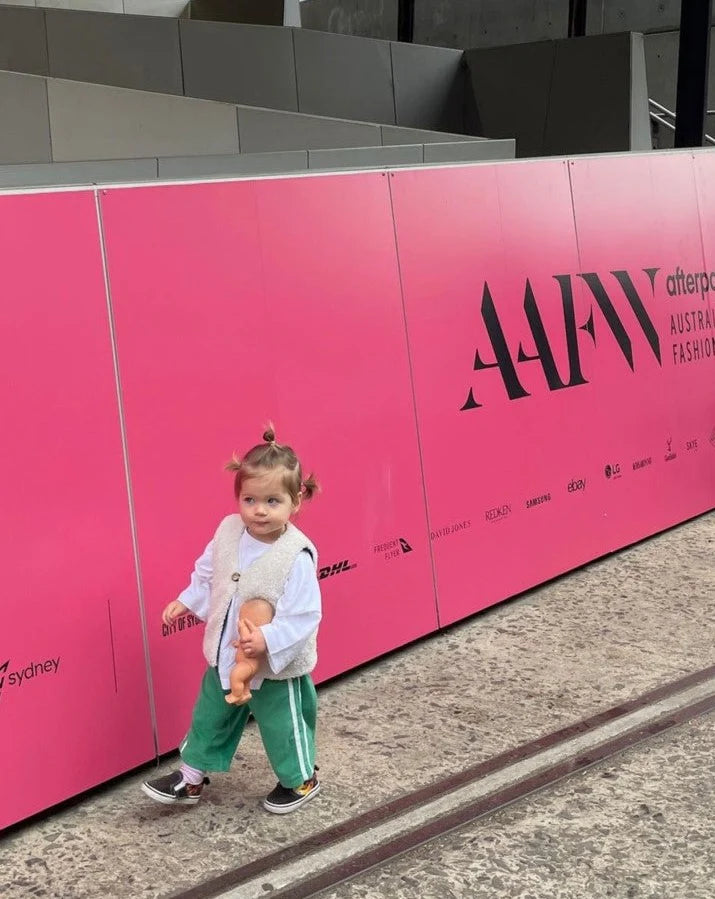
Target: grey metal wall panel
x,y
251,64
343,76
469,151
25,131
590,106
640,138
84,5
266,130
170,8
90,121
429,87
364,18
393,135
139,52
251,12
511,88
366,157
120,170
23,41
241,164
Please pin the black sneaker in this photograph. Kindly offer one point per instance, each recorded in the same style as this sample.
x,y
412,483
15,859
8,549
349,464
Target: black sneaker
x,y
282,800
173,788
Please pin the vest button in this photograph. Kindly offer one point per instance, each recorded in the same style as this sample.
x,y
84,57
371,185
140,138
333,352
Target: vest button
x,y
235,576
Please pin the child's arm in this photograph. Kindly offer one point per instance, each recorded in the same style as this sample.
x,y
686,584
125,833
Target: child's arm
x,y
195,598
298,614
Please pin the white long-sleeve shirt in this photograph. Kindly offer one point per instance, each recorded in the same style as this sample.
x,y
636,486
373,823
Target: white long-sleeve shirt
x,y
298,611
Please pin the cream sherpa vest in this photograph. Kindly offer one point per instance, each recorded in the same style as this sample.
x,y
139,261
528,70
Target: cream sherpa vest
x,y
266,577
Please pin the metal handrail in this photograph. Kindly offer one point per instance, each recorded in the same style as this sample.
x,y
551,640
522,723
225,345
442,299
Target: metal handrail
x,y
662,111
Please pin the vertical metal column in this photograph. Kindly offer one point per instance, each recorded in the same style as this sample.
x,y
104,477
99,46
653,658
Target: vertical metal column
x,y
693,63
577,17
406,21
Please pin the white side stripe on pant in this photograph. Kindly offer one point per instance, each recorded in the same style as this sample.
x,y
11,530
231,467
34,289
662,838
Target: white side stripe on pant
x,y
298,731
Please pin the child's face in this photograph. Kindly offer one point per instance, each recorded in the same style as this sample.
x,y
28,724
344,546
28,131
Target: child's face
x,y
265,505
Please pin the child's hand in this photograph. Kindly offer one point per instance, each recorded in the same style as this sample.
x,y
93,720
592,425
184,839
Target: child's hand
x,y
255,643
173,611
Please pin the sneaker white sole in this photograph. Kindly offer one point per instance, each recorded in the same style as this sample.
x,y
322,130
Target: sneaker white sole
x,y
167,800
284,809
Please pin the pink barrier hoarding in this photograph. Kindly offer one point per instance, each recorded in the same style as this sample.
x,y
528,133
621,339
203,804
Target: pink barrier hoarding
x,y
656,369
543,366
74,705
236,303
560,368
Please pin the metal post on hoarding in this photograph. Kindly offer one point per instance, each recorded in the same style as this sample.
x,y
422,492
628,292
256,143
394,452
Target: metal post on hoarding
x,y
693,62
406,21
577,17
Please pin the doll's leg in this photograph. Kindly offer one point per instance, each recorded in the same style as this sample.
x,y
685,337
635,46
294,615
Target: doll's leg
x,y
257,611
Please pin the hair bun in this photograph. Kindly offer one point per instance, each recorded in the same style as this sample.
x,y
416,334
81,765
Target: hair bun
x,y
269,435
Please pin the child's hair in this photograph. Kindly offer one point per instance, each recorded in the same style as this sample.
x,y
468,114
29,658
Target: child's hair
x,y
269,455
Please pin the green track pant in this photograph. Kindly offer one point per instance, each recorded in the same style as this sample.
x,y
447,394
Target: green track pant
x,y
285,711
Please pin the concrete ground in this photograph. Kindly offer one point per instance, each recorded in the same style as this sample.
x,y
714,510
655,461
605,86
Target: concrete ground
x,y
640,826
598,637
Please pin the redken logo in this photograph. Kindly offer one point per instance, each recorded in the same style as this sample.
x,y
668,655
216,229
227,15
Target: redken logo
x,y
499,513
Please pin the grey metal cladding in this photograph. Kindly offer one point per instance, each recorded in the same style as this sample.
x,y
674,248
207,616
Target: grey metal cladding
x,y
23,41
511,88
254,12
140,52
49,174
590,105
91,121
25,132
344,76
267,130
241,164
251,64
429,87
366,157
469,151
394,135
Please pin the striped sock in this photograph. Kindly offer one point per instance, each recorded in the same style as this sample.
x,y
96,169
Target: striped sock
x,y
192,775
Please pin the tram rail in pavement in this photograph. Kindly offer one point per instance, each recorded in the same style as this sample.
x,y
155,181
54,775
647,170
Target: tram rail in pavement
x,y
348,849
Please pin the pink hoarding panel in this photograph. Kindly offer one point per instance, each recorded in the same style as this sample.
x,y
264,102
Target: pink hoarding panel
x,y
337,325
238,303
639,238
704,163
184,271
74,705
487,256
548,410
